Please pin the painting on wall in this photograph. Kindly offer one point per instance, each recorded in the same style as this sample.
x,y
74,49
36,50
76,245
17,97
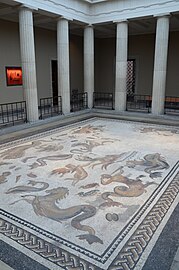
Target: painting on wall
x,y
13,76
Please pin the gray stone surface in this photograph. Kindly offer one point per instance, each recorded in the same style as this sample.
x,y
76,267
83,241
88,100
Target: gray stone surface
x,y
162,255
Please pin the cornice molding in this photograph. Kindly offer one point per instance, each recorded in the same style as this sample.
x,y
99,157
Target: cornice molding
x,y
99,11
66,7
135,8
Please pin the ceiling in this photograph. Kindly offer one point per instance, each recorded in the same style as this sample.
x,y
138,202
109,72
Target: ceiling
x,y
9,11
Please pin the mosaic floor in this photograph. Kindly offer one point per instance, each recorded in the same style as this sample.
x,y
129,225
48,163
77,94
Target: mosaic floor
x,y
93,195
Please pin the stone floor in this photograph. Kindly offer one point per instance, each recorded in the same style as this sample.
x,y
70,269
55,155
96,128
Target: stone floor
x,y
100,193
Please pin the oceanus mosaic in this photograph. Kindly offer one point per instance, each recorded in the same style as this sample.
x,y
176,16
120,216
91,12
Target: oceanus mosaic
x,y
91,195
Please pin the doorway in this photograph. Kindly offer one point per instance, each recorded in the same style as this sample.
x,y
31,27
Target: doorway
x,y
54,69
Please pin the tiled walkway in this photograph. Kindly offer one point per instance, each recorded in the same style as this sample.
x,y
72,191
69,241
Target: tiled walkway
x,y
97,194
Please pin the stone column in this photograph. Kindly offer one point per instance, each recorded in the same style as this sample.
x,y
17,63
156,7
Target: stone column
x,y
121,65
89,63
63,63
28,62
160,64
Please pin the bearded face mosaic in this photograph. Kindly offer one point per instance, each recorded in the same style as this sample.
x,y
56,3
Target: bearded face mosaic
x,y
86,189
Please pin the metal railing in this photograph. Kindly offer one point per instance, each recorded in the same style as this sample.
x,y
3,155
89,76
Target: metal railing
x,y
171,104
11,113
50,106
103,100
79,101
139,103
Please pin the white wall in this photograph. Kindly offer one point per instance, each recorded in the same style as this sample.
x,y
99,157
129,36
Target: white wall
x,y
9,56
141,48
45,50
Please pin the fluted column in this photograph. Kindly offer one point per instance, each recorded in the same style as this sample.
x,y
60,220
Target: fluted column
x,y
63,63
89,63
121,65
28,62
160,65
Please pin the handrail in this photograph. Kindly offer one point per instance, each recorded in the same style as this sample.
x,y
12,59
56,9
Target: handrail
x,y
79,101
50,106
144,102
103,100
139,103
13,112
171,104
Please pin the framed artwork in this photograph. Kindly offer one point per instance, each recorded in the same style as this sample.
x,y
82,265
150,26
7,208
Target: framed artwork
x,y
13,76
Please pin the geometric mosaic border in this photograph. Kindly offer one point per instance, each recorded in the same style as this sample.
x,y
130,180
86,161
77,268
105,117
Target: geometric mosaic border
x,y
135,246
128,256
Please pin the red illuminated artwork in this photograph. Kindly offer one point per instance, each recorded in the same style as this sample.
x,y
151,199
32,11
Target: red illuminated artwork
x,y
14,76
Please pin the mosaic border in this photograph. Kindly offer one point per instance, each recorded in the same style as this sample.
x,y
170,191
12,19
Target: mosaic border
x,y
115,242
128,256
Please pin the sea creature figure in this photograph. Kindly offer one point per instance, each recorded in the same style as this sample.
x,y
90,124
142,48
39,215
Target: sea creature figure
x,y
3,177
79,172
150,129
4,163
155,175
24,160
152,162
40,162
50,148
159,131
31,187
32,175
103,161
88,145
48,206
132,187
88,129
89,193
64,170
92,185
18,151
12,167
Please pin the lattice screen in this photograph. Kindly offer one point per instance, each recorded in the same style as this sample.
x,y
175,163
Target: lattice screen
x,y
130,77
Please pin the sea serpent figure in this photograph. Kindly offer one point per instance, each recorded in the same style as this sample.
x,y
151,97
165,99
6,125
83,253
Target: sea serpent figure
x,y
47,206
30,187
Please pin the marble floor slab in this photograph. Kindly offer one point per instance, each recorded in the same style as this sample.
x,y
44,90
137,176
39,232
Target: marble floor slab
x,y
92,195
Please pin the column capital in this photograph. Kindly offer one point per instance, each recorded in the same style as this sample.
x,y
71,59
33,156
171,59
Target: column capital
x,y
89,26
160,15
60,18
121,21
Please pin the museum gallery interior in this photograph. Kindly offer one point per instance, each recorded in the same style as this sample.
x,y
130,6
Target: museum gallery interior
x,y
89,137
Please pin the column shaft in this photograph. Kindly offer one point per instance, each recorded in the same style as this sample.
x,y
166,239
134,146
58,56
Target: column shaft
x,y
63,63
89,63
28,62
121,65
160,65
